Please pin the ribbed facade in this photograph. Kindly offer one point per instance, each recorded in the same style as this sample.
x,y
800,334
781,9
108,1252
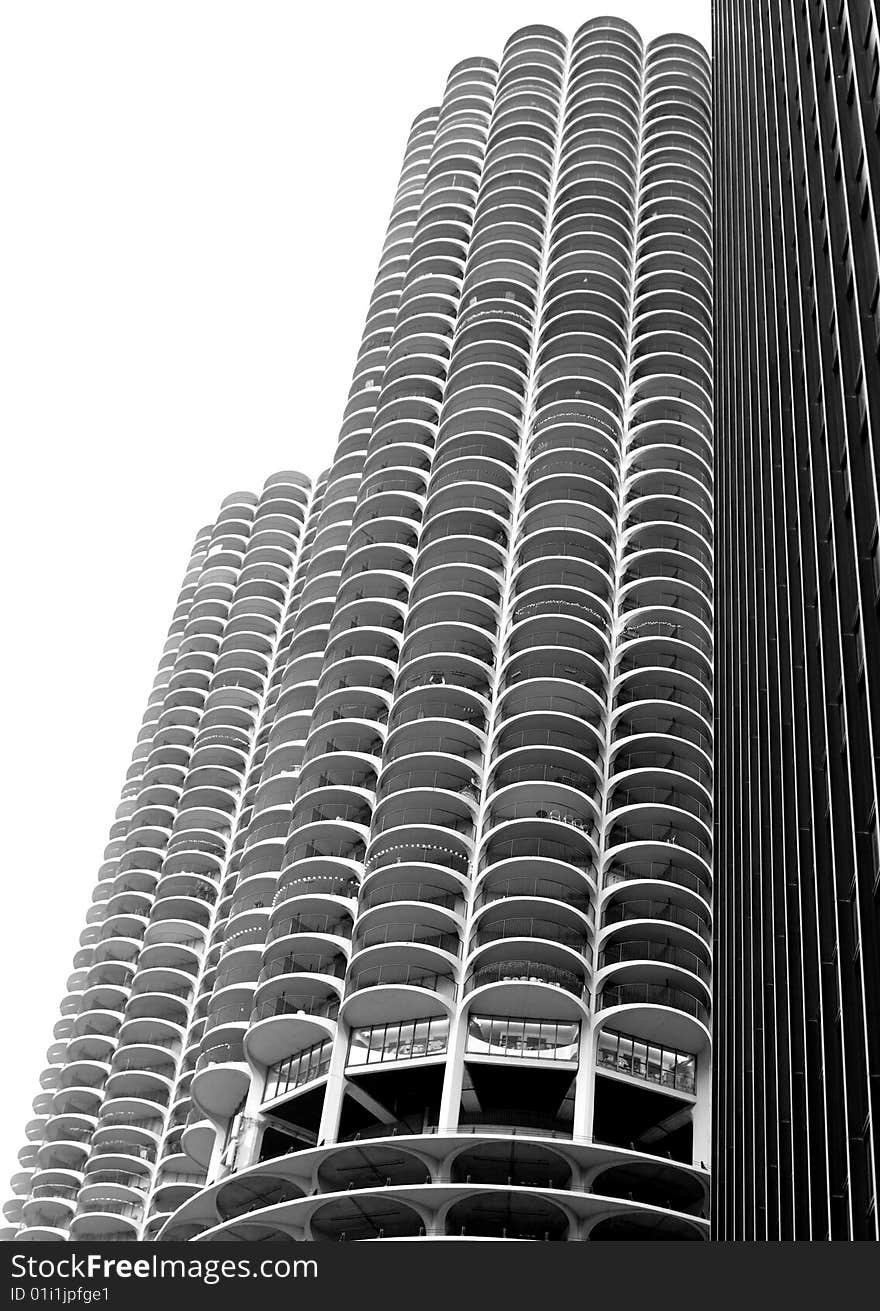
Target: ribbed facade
x,y
798,852
102,1155
455,980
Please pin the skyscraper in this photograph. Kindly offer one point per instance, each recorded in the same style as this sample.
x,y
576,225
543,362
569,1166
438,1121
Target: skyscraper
x,y
406,928
797,1101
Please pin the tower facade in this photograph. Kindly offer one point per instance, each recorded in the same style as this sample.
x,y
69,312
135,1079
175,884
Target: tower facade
x,y
456,976
798,584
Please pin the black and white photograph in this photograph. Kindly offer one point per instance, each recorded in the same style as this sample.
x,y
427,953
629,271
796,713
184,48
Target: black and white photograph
x,y
442,652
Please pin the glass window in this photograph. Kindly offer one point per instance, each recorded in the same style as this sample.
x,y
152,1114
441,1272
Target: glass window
x,y
438,1035
607,1048
419,1041
398,1042
567,1039
297,1069
530,1039
670,1069
516,1035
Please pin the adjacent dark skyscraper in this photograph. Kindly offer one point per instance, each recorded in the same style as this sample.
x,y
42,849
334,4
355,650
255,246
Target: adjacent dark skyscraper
x,y
797,201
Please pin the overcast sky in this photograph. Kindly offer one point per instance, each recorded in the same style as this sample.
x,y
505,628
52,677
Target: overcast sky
x,y
195,195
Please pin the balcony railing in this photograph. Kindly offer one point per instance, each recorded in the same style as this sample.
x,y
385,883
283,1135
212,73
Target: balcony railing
x,y
530,927
305,963
112,1206
322,885
535,887
666,911
426,892
325,924
424,854
621,952
425,935
60,1191
410,975
654,994
660,796
221,1053
662,871
536,847
527,971
624,833
323,1007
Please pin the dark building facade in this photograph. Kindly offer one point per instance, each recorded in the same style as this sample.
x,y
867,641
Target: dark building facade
x,y
797,194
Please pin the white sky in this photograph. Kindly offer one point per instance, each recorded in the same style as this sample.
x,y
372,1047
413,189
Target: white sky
x,y
195,197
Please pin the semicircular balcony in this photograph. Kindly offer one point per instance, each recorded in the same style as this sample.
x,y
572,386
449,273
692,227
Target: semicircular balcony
x,y
677,477
145,1041
663,565
586,447
526,917
557,624
149,1085
107,1218
50,1203
364,1217
314,918
421,806
119,939
472,552
100,1181
407,980
324,849
567,816
510,1215
659,660
407,919
295,1009
568,775
457,467
66,1143
652,1184
197,851
131,1120
658,1003
423,851
532,977
657,844
662,700
197,1137
540,848
631,901
222,1077
126,1150
628,946
660,635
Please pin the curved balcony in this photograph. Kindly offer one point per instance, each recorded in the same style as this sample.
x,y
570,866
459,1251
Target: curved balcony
x,y
647,943
221,1079
407,982
422,850
302,1014
536,985
657,1012
508,1215
626,906
106,1217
